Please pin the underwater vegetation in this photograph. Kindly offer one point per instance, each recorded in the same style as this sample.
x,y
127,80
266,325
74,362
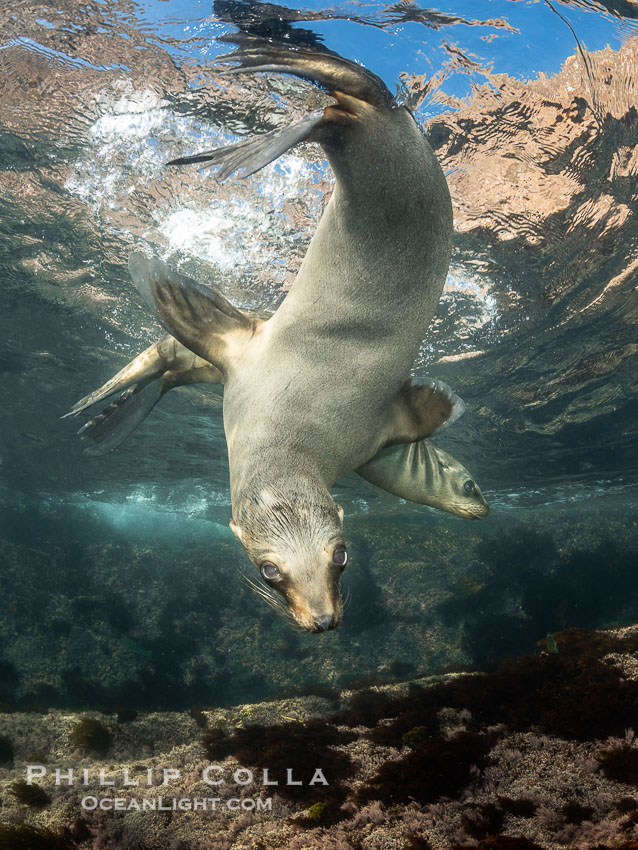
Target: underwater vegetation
x,y
30,795
117,631
620,761
534,753
526,586
435,768
24,837
300,747
572,694
6,750
103,624
91,736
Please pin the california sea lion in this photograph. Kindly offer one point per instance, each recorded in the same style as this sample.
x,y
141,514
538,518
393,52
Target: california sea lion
x,y
322,387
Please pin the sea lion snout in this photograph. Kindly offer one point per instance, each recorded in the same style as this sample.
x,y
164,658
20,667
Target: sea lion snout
x,y
316,607
325,623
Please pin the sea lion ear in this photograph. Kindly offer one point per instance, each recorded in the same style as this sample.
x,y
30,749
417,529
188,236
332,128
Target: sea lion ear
x,y
340,512
236,530
200,318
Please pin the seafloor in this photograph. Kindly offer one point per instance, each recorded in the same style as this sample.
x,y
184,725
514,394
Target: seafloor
x,y
152,654
535,754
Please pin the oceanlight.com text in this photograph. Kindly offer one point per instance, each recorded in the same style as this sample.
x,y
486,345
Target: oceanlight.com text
x,y
175,804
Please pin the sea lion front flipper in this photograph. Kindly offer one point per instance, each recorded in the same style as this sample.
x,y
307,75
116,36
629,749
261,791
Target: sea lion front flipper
x,y
142,382
112,426
200,318
420,472
421,408
323,67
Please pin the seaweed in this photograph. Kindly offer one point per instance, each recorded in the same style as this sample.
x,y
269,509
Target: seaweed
x,y
91,736
23,837
79,830
621,764
30,795
6,750
576,813
319,814
217,744
521,807
573,693
416,842
482,820
367,707
500,842
300,748
416,737
326,692
411,728
198,716
441,768
585,588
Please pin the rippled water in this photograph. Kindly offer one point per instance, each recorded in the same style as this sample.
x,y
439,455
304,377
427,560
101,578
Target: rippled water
x,y
531,109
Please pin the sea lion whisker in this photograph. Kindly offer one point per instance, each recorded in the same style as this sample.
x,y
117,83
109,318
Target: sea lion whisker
x,y
268,595
258,588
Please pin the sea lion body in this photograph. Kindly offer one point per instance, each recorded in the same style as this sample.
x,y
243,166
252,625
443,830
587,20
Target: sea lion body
x,y
322,388
323,371
309,398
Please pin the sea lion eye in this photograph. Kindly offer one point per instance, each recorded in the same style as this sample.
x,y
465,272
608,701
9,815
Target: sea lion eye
x,y
270,572
340,557
469,486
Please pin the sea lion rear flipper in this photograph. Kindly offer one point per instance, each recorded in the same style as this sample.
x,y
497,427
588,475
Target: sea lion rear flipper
x,y
323,67
421,408
420,472
200,318
253,154
113,425
147,365
166,357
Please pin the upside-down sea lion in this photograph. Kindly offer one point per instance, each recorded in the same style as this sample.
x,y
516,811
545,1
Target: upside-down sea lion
x,y
322,387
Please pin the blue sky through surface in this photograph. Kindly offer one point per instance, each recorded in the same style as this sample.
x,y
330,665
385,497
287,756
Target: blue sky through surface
x,y
542,43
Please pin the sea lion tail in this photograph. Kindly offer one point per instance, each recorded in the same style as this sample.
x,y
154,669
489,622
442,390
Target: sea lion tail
x,y
327,69
112,426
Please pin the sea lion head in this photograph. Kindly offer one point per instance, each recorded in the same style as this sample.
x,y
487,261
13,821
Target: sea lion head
x,y
456,491
294,536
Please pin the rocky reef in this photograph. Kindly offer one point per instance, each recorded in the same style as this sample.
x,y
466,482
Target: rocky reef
x,y
536,754
157,617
